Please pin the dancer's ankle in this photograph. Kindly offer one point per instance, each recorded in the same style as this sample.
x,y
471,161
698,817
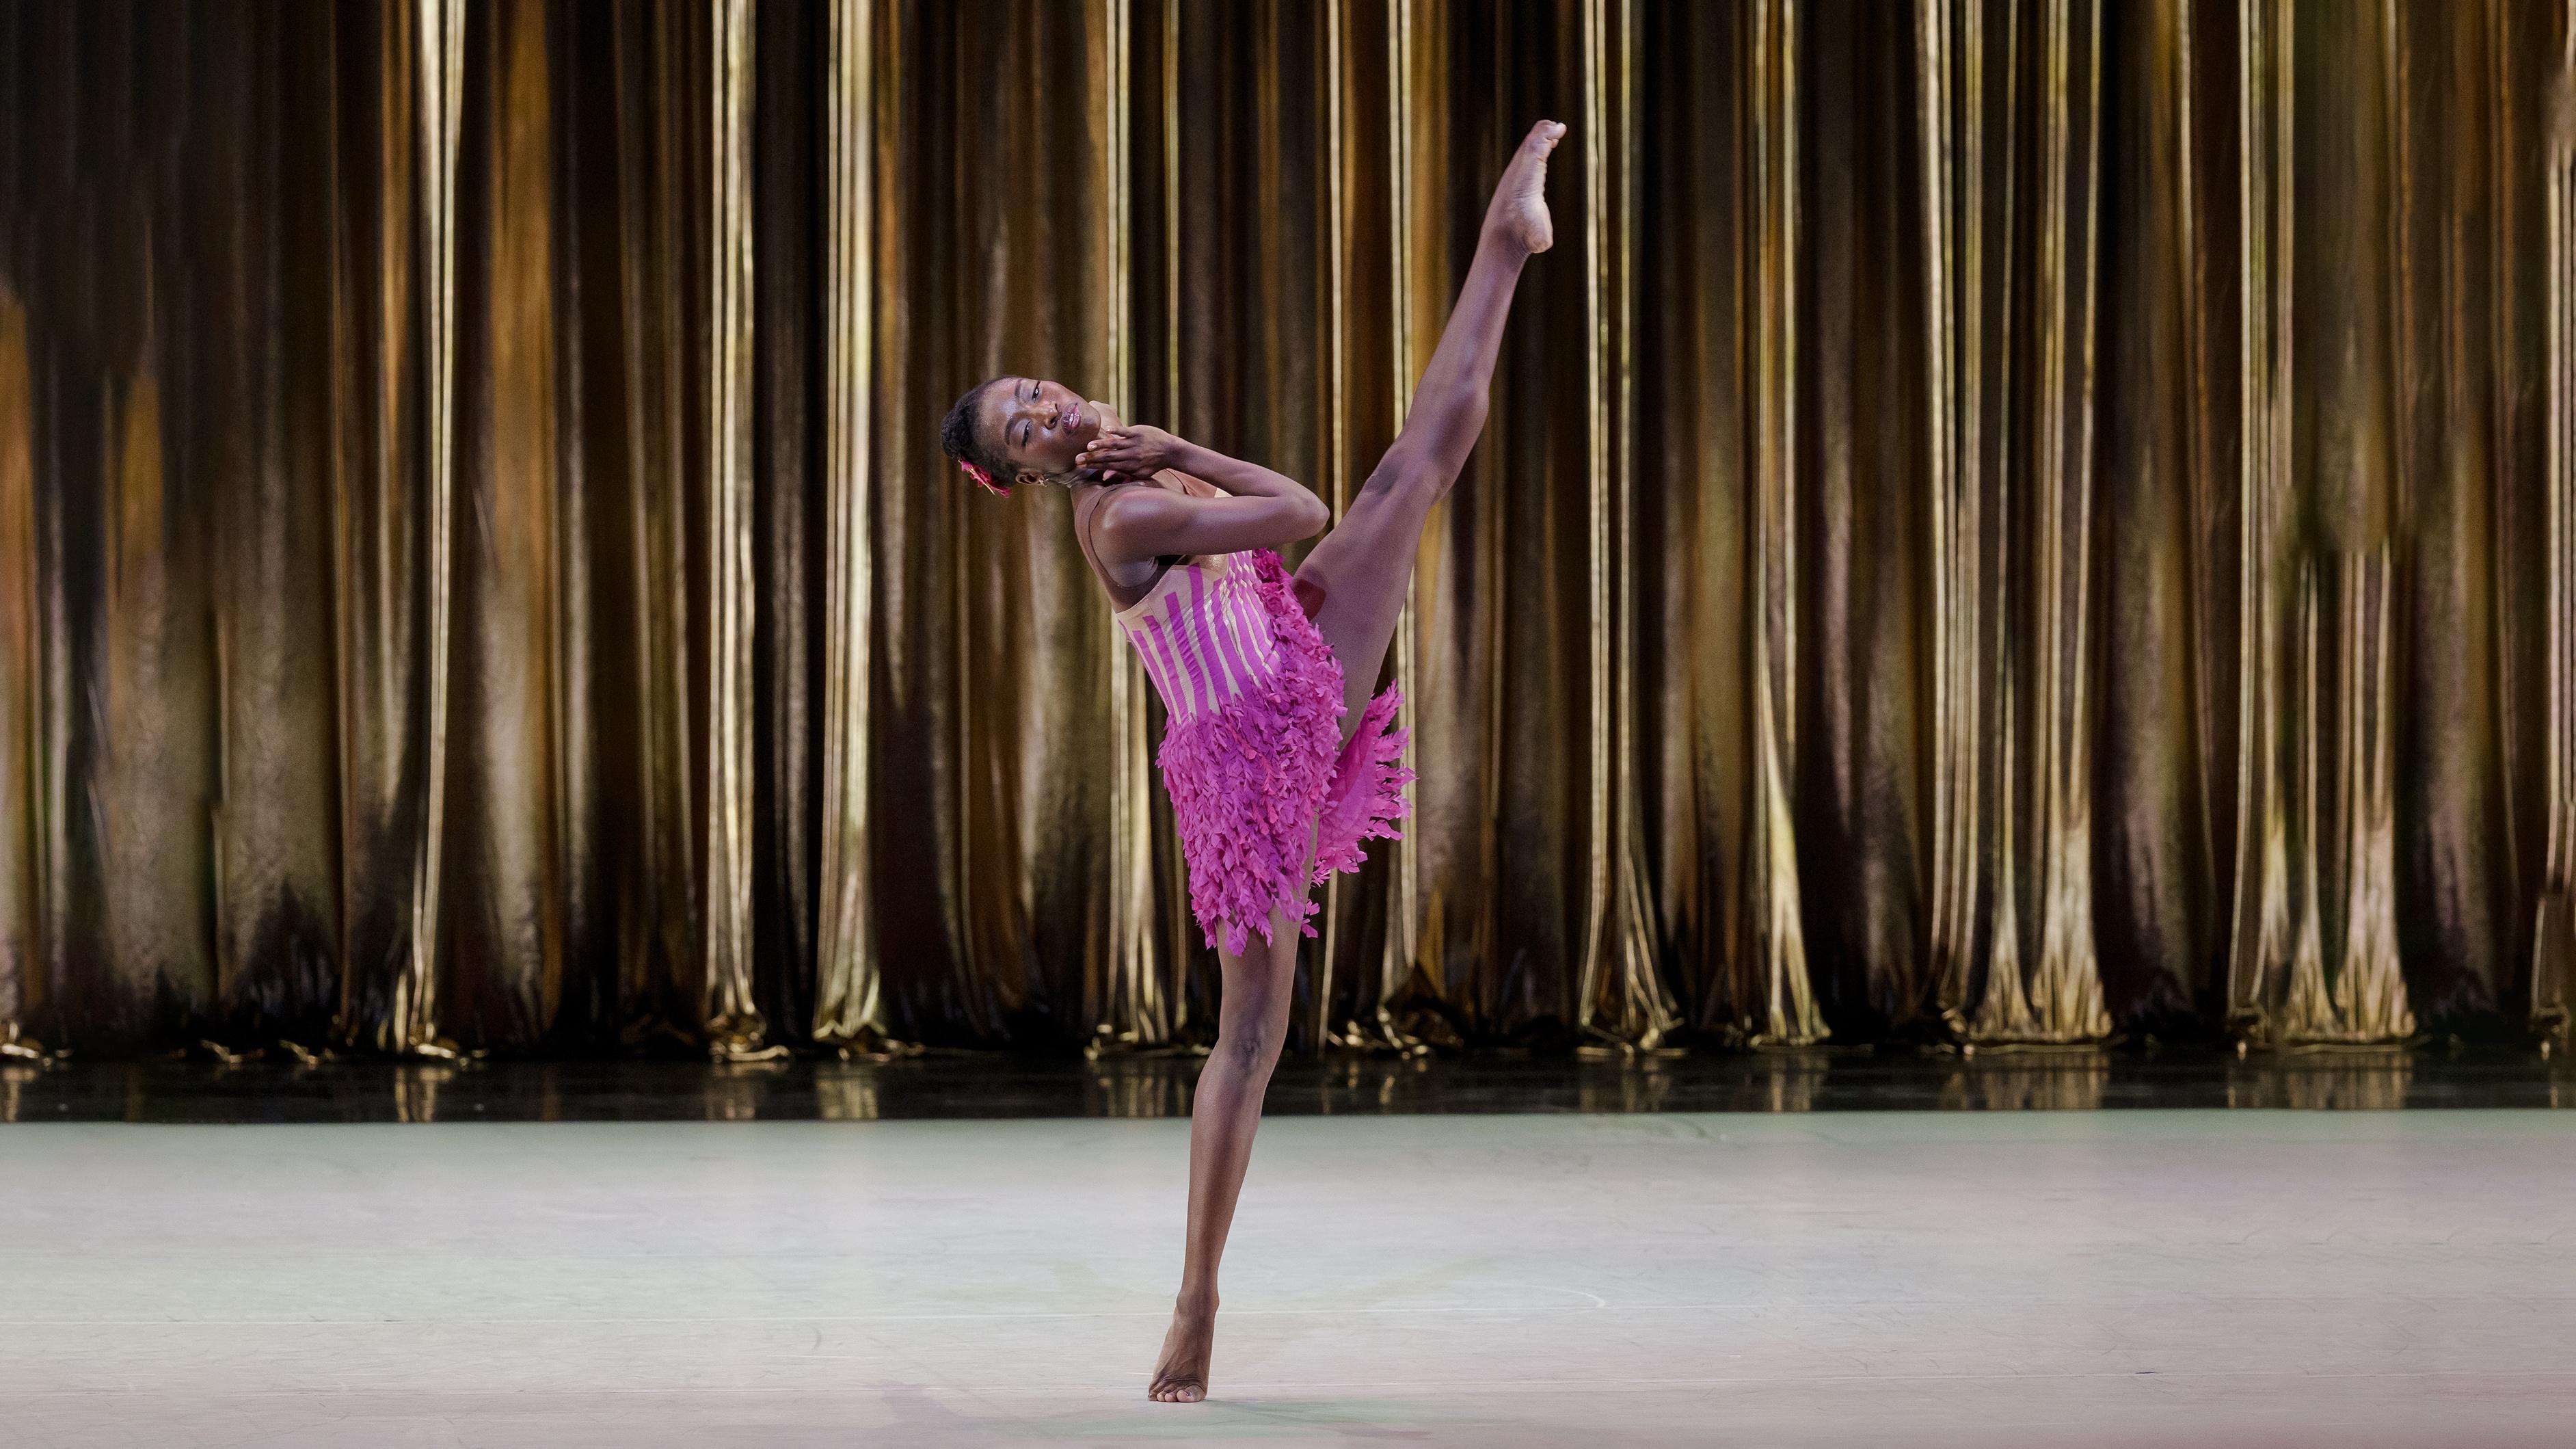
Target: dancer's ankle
x,y
1195,1303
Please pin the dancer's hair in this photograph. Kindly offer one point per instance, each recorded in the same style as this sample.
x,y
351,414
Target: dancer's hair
x,y
961,439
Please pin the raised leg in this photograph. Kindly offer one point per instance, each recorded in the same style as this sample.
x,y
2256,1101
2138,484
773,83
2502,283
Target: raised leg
x,y
1252,1021
1360,569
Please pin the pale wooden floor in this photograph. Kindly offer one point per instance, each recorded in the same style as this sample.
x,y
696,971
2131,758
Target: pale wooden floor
x,y
2135,1278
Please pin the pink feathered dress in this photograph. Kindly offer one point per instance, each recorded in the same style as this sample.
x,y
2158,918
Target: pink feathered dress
x,y
1254,699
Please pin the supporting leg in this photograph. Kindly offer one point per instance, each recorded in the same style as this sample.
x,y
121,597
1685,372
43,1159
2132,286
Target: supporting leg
x,y
1252,1021
1360,570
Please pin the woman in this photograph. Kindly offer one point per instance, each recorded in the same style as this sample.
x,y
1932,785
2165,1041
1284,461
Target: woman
x,y
1278,760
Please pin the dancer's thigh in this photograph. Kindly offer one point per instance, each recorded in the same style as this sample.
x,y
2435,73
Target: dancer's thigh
x,y
1353,583
1259,983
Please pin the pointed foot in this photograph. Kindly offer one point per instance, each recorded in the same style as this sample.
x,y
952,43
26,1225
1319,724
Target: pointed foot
x,y
1519,212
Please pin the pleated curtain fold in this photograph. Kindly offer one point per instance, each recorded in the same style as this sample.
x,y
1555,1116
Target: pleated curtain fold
x,y
2002,521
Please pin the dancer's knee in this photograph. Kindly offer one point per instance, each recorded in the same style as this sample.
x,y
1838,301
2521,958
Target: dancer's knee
x,y
1444,422
1413,474
1249,1039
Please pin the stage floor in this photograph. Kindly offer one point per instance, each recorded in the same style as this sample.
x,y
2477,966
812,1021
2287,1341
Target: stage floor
x,y
1959,1279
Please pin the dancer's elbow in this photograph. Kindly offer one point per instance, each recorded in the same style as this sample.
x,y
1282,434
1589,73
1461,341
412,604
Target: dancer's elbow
x,y
1312,517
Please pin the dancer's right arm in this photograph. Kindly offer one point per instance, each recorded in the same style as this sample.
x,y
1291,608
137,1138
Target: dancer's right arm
x,y
1265,507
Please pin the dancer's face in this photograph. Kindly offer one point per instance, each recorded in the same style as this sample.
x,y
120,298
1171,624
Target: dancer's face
x,y
1042,426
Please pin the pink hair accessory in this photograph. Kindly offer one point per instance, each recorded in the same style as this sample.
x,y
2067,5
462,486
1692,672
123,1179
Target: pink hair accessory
x,y
982,479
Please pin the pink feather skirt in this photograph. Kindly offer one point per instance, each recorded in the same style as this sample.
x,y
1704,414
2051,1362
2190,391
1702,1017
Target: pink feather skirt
x,y
1249,779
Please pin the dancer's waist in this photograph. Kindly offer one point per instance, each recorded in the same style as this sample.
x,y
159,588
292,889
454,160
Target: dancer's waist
x,y
1199,662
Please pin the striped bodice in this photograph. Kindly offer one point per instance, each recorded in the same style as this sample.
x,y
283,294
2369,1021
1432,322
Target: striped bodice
x,y
1203,634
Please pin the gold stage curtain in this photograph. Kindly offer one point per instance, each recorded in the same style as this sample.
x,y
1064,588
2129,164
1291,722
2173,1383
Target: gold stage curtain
x,y
2012,521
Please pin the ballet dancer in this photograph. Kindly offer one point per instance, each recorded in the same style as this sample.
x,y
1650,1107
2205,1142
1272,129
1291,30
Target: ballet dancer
x,y
1278,760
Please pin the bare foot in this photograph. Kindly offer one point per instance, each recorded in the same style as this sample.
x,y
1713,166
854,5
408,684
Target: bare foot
x,y
1180,1376
1519,211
